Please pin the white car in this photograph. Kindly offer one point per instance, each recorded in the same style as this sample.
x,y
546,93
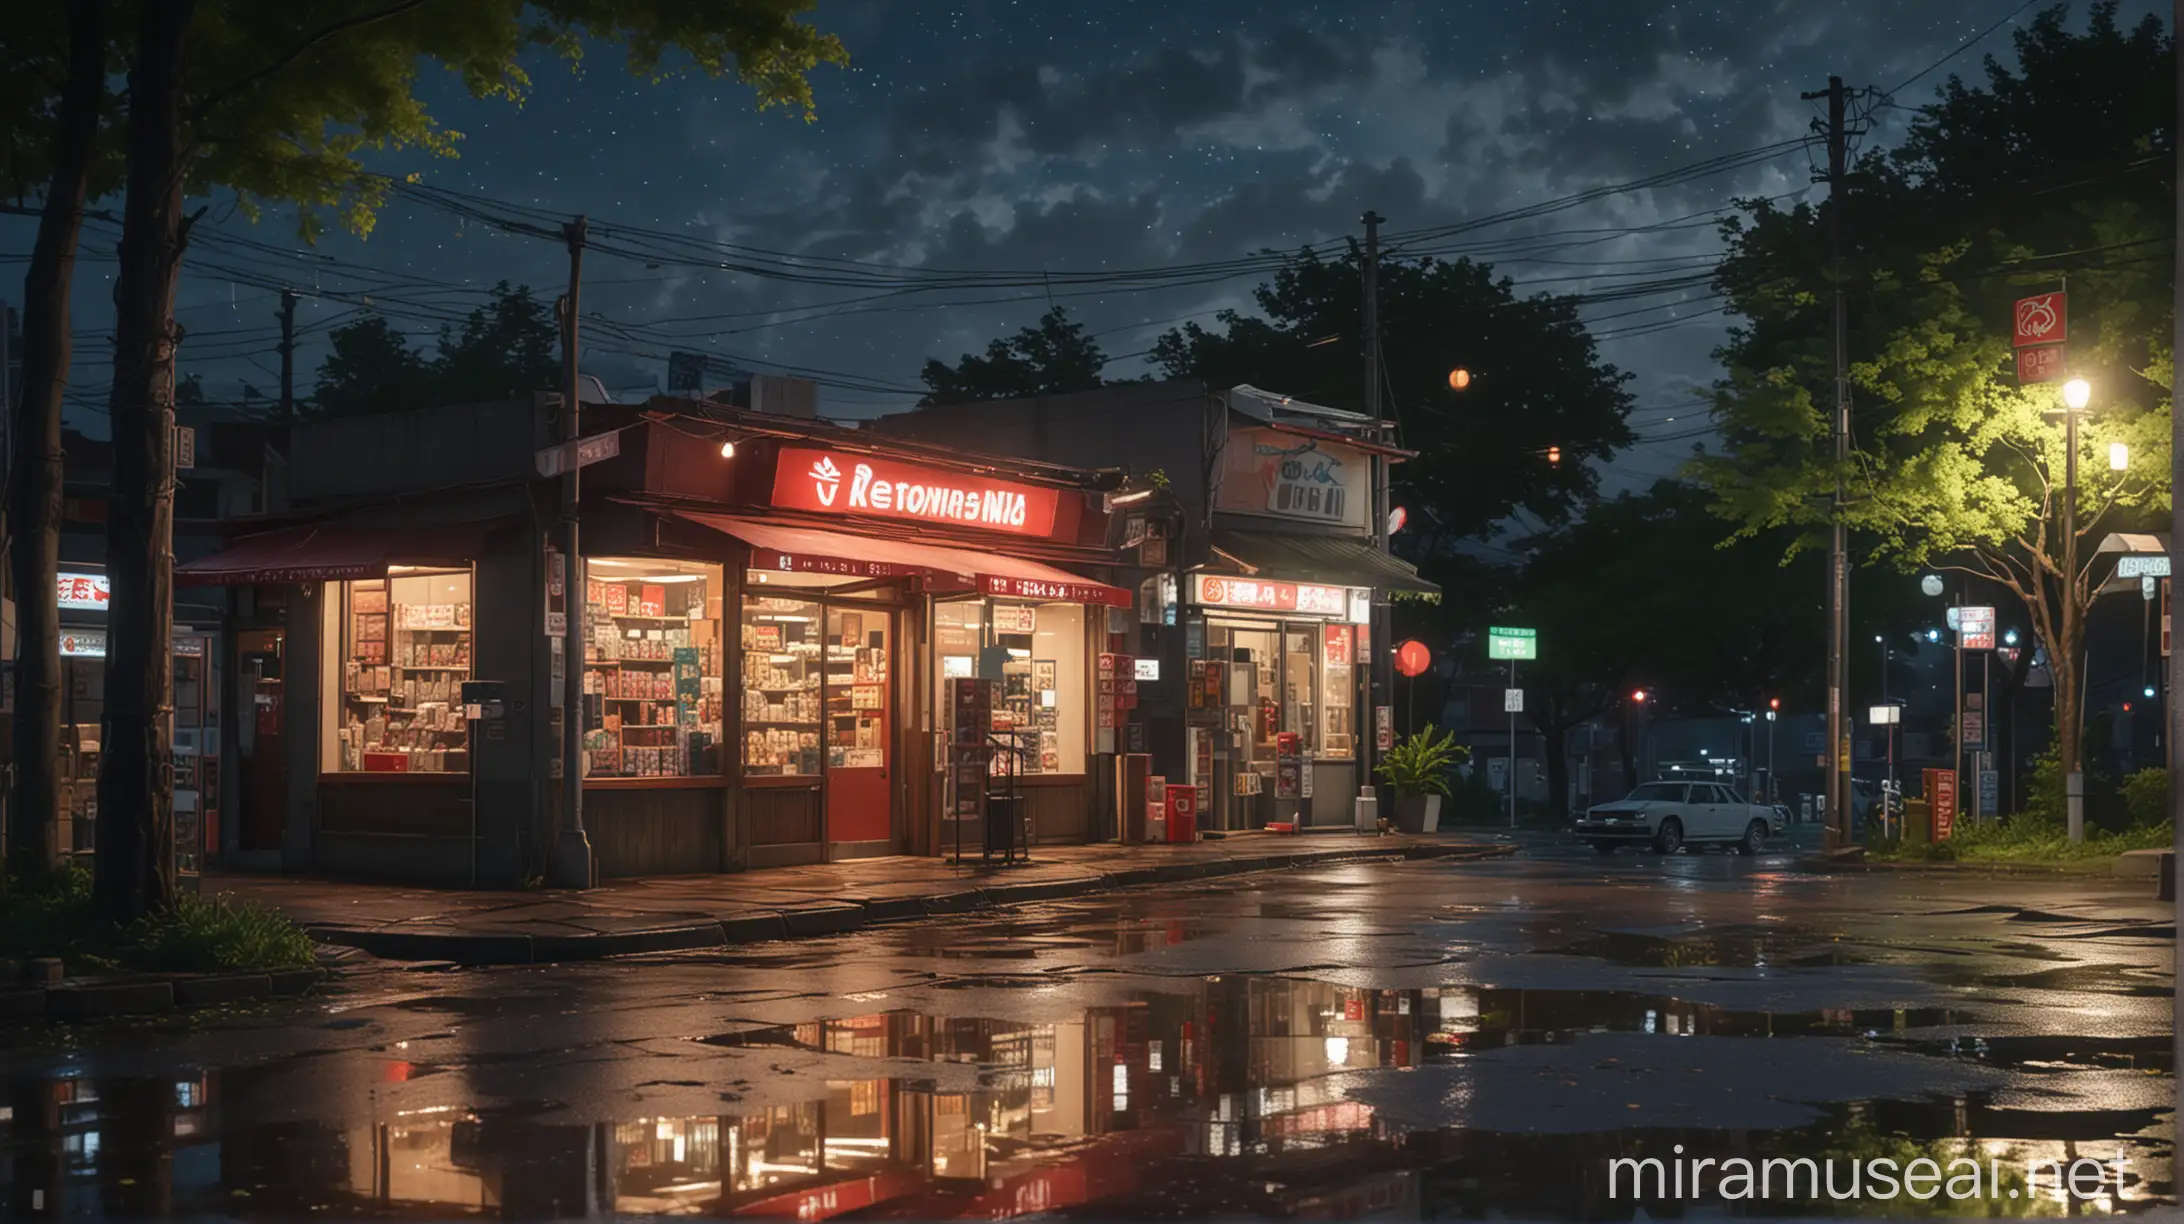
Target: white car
x,y
1671,815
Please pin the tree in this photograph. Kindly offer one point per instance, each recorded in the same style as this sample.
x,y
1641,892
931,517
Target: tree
x,y
504,347
55,78
1641,591
274,102
2056,168
1053,358
370,368
1538,382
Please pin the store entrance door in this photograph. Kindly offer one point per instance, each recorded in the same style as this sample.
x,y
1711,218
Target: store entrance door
x,y
262,747
860,817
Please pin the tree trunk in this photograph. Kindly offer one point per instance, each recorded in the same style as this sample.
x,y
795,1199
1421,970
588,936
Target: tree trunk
x,y
34,503
135,863
1554,746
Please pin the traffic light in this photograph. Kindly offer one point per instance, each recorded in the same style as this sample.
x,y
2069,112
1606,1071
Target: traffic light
x,y
1774,703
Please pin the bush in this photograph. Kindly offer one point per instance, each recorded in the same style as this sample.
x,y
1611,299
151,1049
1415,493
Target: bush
x,y
56,916
2146,798
1420,763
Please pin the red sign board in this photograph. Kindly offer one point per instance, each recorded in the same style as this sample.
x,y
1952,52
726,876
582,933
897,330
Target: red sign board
x,y
2043,318
1065,592
1337,638
1941,801
832,482
2039,365
1217,592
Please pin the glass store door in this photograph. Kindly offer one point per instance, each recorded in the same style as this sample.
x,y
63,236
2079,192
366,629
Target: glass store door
x,y
858,729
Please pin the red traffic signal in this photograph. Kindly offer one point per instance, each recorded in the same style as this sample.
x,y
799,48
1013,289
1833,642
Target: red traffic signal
x,y
1774,703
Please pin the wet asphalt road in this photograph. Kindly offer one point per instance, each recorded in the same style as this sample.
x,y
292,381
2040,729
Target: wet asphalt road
x,y
1421,1039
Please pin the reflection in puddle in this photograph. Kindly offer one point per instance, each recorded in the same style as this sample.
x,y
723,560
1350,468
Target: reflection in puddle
x,y
1219,1098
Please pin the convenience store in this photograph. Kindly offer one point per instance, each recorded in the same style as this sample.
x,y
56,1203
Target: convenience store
x,y
773,608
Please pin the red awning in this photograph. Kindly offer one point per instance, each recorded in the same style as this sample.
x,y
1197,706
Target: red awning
x,y
333,552
812,550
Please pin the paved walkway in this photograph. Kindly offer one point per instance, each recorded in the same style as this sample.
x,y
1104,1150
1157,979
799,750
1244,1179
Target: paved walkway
x,y
671,913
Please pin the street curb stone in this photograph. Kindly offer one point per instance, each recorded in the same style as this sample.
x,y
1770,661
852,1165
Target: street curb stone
x,y
213,988
681,938
100,1000
841,916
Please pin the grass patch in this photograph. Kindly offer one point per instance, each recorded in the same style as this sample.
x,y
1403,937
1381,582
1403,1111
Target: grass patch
x,y
56,916
2025,839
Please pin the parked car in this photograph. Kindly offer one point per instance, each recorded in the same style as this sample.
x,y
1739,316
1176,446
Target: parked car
x,y
1671,815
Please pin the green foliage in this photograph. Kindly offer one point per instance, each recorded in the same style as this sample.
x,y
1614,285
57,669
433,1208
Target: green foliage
x,y
2000,189
2020,839
2146,798
1054,358
1539,382
56,916
286,102
1420,763
505,347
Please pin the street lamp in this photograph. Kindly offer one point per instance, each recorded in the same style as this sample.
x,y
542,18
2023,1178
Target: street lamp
x,y
2077,393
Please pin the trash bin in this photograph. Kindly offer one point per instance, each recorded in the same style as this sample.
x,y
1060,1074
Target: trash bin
x,y
1004,814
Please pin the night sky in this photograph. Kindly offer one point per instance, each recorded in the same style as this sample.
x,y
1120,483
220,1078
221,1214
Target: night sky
x,y
1064,139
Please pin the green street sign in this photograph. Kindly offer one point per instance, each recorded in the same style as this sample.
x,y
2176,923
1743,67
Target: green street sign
x,y
1504,643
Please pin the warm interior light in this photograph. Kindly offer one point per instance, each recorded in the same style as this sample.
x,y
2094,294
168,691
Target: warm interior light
x,y
1124,499
2077,393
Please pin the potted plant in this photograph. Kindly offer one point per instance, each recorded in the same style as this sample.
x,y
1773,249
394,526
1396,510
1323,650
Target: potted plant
x,y
1417,771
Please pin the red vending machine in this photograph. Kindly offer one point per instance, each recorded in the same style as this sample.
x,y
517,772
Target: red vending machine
x,y
1182,814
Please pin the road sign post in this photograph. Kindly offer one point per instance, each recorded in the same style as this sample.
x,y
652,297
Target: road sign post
x,y
1511,645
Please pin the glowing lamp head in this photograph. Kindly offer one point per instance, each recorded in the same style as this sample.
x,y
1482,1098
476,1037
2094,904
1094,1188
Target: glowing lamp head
x,y
2119,457
1933,635
1638,695
1459,378
1774,703
1554,454
2077,393
728,450
2147,692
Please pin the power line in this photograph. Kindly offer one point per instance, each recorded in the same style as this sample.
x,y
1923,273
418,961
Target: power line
x,y
1960,48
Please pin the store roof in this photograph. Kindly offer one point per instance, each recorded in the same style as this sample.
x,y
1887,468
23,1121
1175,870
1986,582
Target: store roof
x,y
332,552
814,550
1333,560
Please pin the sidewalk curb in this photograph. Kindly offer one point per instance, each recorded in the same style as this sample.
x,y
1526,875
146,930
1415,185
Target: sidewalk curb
x,y
2098,869
840,916
80,999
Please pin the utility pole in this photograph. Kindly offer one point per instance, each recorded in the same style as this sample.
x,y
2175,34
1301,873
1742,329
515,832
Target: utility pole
x,y
572,850
1378,672
1838,790
288,357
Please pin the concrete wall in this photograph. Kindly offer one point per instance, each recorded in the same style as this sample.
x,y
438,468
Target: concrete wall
x,y
407,452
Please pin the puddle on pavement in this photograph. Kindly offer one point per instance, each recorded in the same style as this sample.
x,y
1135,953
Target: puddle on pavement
x,y
1218,1098
1754,950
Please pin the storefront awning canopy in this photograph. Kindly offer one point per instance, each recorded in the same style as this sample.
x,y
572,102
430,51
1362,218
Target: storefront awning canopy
x,y
333,552
816,551
1332,560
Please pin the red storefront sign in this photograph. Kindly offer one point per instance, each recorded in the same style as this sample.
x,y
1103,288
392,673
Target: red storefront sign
x,y
831,482
1338,645
2039,365
1941,801
89,592
1213,591
1066,592
2043,318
